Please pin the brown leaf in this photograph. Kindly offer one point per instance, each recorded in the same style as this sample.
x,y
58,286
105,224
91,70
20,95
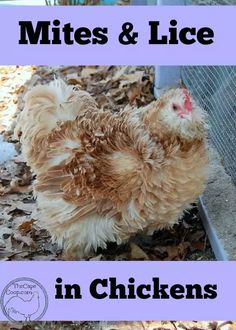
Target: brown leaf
x,y
177,252
121,326
24,239
19,185
26,226
129,79
87,72
137,253
134,93
73,79
199,245
197,235
160,325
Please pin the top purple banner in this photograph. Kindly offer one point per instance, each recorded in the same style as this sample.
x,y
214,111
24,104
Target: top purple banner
x,y
81,35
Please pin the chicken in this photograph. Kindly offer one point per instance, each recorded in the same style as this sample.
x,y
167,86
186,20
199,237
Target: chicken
x,y
102,176
26,308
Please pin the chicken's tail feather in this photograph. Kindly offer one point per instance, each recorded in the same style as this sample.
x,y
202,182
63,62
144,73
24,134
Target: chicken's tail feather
x,y
46,107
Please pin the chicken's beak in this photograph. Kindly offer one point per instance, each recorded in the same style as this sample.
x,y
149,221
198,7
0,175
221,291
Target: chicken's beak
x,y
185,115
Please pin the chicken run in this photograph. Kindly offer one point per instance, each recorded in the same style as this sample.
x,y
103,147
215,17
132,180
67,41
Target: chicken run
x,y
109,92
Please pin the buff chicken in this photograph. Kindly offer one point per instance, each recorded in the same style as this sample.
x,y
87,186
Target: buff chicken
x,y
102,176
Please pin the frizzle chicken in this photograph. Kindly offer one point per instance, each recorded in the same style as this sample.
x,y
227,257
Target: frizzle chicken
x,y
102,176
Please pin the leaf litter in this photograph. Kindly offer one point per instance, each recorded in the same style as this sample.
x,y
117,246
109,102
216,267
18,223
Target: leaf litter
x,y
150,325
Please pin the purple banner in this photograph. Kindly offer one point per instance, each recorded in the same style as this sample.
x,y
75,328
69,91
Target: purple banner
x,y
81,35
117,291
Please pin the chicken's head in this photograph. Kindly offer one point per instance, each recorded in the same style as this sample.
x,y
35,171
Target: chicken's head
x,y
178,114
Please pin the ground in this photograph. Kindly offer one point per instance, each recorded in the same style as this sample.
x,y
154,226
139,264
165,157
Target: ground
x,y
21,238
175,325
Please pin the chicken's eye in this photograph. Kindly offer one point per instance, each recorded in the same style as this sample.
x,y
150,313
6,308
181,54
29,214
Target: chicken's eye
x,y
175,107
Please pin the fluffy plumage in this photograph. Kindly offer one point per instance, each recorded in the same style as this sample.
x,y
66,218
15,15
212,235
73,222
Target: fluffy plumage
x,y
104,176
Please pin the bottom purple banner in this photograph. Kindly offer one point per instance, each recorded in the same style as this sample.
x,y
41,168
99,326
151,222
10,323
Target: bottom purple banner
x,y
114,291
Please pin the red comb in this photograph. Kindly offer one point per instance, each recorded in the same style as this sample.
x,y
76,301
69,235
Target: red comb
x,y
187,104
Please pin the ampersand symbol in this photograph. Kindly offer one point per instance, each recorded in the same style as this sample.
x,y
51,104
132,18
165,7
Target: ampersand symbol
x,y
126,37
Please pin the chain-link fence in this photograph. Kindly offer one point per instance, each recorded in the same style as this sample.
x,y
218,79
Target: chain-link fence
x,y
85,2
215,89
210,2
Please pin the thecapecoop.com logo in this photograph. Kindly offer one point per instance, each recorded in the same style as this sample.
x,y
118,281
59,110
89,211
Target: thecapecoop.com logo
x,y
24,299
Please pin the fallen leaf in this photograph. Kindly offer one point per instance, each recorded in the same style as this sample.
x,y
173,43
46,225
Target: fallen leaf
x,y
134,93
177,252
199,245
137,253
87,72
26,226
24,239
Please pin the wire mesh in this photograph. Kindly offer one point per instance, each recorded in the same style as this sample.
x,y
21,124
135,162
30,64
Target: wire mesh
x,y
215,89
210,2
85,2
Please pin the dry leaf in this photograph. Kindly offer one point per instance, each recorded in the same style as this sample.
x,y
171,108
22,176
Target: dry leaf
x,y
96,258
26,226
121,326
24,239
137,253
73,79
131,78
87,72
177,252
199,245
134,93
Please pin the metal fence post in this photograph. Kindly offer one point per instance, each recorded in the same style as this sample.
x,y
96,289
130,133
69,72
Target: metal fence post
x,y
167,76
